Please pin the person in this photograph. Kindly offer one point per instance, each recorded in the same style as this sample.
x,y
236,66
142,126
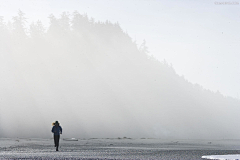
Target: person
x,y
56,130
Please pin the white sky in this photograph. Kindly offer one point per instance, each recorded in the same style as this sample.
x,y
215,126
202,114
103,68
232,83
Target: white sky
x,y
200,38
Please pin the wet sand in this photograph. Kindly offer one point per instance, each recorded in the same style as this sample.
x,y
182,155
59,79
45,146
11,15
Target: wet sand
x,y
122,148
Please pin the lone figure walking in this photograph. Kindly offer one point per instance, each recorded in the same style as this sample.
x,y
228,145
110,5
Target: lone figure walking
x,y
57,130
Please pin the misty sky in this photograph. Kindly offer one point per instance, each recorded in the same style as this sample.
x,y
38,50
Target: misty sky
x,y
199,38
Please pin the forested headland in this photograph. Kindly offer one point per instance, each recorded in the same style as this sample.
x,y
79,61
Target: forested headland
x,y
95,79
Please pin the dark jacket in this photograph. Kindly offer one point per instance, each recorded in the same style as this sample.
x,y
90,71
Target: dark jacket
x,y
57,130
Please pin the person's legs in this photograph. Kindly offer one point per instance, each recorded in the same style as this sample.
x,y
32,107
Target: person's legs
x,y
57,141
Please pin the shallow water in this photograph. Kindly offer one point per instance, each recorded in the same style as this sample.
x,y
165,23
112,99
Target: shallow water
x,y
116,149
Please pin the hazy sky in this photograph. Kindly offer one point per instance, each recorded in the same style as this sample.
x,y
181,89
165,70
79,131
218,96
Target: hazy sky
x,y
199,38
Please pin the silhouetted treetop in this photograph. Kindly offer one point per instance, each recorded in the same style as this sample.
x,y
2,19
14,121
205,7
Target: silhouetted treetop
x,y
19,23
37,29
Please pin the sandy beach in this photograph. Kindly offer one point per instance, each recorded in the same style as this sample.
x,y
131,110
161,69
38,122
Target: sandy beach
x,y
119,148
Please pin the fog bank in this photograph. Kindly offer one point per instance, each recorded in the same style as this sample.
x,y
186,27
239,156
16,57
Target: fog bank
x,y
95,80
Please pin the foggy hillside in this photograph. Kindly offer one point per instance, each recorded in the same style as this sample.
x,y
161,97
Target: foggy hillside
x,y
97,82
